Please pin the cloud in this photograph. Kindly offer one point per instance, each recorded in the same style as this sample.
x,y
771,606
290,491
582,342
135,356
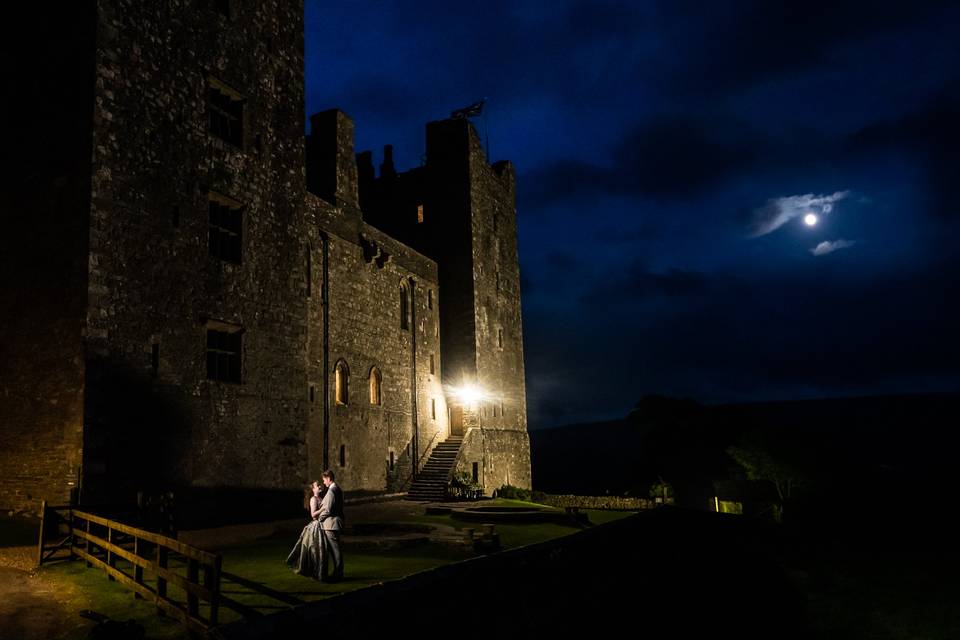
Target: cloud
x,y
635,282
779,211
752,339
663,157
828,246
930,135
735,45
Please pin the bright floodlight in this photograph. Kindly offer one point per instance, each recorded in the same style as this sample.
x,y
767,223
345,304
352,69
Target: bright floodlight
x,y
469,394
810,219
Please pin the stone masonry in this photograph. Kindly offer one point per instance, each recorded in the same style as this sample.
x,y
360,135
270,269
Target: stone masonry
x,y
196,295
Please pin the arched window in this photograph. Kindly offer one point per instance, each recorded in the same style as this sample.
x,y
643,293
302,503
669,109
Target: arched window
x,y
375,381
404,306
341,381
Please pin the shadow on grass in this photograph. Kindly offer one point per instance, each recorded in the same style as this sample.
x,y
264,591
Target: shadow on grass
x,y
18,531
246,611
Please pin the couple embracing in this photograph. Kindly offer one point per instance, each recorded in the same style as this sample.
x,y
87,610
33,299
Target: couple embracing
x,y
319,543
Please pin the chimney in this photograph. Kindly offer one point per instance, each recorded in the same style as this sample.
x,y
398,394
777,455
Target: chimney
x,y
331,165
366,178
387,169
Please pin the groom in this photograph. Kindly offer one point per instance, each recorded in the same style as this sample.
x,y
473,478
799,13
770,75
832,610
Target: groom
x,y
331,521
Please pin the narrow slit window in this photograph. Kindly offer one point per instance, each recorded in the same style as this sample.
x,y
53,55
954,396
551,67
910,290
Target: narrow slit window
x,y
376,381
155,358
341,382
404,306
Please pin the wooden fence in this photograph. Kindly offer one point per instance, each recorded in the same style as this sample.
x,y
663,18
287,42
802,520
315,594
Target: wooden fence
x,y
146,562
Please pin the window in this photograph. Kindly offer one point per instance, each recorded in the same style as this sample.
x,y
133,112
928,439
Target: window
x,y
419,214
226,229
476,471
375,381
404,306
429,298
224,348
433,408
432,369
392,461
225,110
341,382
500,338
312,392
343,455
502,409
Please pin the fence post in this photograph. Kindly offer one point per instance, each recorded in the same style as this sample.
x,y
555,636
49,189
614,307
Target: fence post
x,y
71,540
193,575
88,548
43,539
137,569
211,580
161,581
111,561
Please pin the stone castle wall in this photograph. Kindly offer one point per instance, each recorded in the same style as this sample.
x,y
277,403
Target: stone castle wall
x,y
106,372
365,273
45,211
155,289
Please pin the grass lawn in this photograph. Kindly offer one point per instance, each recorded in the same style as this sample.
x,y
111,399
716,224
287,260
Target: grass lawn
x,y
255,580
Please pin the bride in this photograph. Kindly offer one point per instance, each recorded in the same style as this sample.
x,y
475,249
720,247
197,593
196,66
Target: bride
x,y
307,555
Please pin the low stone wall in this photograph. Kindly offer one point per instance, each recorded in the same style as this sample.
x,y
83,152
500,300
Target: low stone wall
x,y
609,503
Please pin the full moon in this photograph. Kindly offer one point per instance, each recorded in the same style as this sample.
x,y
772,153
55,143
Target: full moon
x,y
810,219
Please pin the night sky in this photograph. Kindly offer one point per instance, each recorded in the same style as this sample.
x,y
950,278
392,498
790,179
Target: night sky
x,y
666,154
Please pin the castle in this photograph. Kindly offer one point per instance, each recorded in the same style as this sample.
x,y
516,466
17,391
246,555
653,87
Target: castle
x,y
195,294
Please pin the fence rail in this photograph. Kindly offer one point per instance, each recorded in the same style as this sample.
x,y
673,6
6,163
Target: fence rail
x,y
154,562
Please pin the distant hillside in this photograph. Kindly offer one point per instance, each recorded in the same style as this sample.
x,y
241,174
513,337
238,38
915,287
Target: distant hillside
x,y
583,458
911,436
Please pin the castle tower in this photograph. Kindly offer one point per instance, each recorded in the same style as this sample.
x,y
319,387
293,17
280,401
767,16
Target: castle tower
x,y
461,211
175,354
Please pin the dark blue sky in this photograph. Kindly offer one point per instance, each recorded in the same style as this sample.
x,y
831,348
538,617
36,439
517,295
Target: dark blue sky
x,y
666,152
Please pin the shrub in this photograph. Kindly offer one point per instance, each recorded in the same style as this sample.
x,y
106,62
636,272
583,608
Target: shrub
x,y
462,486
510,492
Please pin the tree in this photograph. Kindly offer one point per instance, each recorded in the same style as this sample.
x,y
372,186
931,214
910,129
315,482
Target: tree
x,y
761,466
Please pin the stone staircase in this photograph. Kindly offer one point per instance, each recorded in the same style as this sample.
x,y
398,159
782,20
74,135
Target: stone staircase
x,y
431,484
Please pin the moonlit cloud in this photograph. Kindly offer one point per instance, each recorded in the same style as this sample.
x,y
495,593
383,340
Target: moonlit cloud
x,y
779,211
828,246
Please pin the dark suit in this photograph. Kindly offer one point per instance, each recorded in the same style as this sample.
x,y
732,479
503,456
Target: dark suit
x,y
331,521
